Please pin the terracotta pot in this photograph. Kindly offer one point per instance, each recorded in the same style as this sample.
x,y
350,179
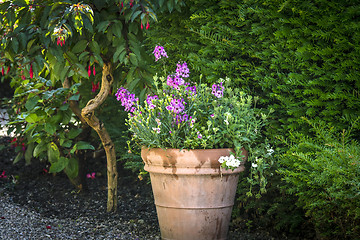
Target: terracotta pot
x,y
193,196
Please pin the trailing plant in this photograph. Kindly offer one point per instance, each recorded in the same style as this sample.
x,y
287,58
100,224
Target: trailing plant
x,y
323,172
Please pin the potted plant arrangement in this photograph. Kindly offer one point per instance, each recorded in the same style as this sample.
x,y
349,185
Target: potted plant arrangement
x,y
193,140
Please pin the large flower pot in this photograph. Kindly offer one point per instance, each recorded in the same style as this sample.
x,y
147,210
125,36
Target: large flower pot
x,y
193,196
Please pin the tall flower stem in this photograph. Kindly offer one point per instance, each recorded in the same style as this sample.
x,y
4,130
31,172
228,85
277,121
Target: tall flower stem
x,y
88,114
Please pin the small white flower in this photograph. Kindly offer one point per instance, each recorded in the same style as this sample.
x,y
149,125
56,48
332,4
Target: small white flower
x,y
226,122
158,121
157,130
222,159
254,165
230,161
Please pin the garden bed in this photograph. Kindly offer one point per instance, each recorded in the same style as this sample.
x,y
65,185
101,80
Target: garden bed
x,y
36,204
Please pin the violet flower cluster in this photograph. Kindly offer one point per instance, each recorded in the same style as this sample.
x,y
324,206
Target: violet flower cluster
x,y
218,90
127,99
159,52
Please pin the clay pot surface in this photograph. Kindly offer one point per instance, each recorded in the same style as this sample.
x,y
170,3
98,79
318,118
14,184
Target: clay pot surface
x,y
193,196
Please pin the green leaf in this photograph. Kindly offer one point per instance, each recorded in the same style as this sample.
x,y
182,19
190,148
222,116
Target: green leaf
x,y
72,169
66,116
50,128
18,157
135,14
65,143
64,107
102,26
32,118
15,44
29,153
31,102
81,70
75,97
79,46
74,132
133,59
116,29
41,147
59,165
84,145
94,46
53,152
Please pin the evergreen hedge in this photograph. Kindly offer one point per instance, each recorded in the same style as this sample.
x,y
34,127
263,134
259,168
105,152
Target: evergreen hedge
x,y
300,57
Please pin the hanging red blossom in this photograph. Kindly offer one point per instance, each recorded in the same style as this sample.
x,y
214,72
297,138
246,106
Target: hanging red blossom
x,y
147,25
2,71
89,70
94,87
31,71
8,69
94,72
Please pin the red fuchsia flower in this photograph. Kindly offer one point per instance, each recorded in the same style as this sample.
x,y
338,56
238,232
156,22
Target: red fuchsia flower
x,y
89,70
131,3
2,71
147,25
94,72
142,27
48,227
3,175
23,148
94,87
31,71
92,175
13,142
8,69
60,41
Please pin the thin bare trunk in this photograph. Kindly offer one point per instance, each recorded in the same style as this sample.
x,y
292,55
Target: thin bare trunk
x,y
88,114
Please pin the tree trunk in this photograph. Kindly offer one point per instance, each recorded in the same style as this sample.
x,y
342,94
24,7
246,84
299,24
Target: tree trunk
x,y
89,116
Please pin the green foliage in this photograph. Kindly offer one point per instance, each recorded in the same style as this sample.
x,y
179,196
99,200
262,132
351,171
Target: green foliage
x,y
300,57
68,42
323,171
47,124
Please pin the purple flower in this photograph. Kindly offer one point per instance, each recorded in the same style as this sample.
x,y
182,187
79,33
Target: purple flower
x,y
149,100
181,118
176,105
182,70
199,135
159,52
217,90
191,89
127,99
174,81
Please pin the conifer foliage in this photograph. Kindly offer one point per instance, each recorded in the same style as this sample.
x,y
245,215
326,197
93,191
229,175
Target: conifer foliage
x,y
301,57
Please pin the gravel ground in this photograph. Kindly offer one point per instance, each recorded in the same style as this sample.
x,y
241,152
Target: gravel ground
x,y
37,205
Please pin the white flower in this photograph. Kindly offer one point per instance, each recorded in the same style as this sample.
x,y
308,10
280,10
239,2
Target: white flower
x,y
226,122
230,161
222,159
158,121
157,130
254,165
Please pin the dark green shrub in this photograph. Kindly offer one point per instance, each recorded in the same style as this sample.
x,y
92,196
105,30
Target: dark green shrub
x,y
300,57
323,171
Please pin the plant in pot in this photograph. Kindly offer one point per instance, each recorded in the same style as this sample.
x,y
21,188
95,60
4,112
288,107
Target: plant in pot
x,y
193,140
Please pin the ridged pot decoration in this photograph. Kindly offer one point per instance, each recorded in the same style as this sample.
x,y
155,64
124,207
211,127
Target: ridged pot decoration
x,y
193,196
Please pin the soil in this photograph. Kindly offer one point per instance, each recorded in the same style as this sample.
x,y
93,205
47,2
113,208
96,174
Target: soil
x,y
53,196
